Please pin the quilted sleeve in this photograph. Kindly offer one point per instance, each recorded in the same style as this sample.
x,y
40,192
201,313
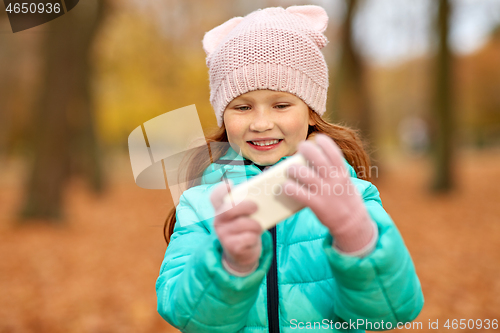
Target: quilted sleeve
x,y
382,285
194,291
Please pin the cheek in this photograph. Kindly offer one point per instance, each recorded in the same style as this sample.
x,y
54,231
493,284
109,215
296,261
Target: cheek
x,y
234,129
296,127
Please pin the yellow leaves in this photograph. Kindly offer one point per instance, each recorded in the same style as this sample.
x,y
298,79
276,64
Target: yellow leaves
x,y
140,75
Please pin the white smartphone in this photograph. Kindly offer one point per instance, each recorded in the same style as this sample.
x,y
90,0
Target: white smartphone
x,y
266,190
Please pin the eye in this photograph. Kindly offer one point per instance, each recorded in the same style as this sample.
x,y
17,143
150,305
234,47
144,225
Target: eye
x,y
282,106
242,108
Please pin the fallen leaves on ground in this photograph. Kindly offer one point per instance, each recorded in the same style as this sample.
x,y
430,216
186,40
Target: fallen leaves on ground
x,y
96,271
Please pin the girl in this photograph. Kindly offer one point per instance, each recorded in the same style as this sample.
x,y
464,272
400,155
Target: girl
x,y
339,264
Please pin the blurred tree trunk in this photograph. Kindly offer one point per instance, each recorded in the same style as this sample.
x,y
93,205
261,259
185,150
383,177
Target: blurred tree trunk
x,y
350,96
443,118
63,133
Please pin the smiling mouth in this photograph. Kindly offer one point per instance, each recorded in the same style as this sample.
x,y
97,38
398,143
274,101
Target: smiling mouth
x,y
264,143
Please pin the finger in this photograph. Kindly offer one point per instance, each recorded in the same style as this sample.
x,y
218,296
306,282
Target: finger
x,y
243,208
315,157
297,192
239,225
331,150
218,193
240,245
303,174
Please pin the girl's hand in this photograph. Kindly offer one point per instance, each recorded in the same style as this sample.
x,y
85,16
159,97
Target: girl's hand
x,y
239,235
324,185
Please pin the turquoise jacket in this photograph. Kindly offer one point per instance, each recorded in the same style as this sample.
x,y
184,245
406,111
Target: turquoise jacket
x,y
319,288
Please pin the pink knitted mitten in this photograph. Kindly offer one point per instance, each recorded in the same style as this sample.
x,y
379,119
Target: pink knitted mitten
x,y
325,187
239,235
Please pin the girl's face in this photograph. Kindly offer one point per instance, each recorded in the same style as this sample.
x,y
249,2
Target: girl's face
x,y
266,125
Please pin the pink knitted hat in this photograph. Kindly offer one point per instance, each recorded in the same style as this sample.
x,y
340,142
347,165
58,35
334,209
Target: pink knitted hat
x,y
272,48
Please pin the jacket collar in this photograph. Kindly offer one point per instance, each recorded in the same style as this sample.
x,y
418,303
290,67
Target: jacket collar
x,y
234,166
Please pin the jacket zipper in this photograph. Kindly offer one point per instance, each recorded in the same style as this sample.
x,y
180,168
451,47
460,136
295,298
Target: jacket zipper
x,y
272,274
272,290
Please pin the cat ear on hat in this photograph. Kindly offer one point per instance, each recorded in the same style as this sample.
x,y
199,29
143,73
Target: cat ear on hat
x,y
316,16
213,37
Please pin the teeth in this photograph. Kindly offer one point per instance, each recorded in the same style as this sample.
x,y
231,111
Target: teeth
x,y
265,143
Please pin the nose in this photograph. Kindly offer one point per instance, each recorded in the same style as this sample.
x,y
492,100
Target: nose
x,y
262,121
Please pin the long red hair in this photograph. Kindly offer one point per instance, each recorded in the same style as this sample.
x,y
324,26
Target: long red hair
x,y
347,139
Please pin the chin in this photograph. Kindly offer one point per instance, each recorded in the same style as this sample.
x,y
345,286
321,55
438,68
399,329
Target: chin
x,y
264,158
266,161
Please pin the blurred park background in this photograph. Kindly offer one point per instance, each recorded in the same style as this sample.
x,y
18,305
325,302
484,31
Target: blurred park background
x,y
81,245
